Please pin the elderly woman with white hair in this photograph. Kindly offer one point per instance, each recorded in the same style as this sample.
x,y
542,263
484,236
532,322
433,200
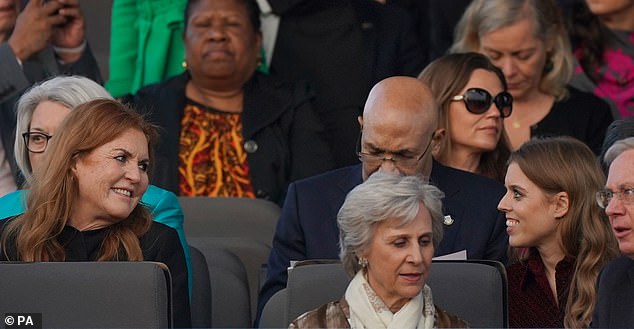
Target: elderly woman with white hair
x,y
389,227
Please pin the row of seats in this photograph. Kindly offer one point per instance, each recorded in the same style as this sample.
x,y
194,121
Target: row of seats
x,y
473,290
234,235
123,294
85,295
229,242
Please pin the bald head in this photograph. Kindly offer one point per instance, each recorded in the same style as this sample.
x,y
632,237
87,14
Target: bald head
x,y
399,117
401,96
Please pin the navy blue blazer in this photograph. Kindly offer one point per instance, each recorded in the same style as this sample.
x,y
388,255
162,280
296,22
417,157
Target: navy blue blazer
x,y
615,296
307,228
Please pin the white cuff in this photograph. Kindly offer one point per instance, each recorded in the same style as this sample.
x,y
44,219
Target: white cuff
x,y
77,50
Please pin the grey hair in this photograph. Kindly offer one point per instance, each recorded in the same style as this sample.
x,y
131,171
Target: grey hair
x,y
617,149
382,197
69,91
484,16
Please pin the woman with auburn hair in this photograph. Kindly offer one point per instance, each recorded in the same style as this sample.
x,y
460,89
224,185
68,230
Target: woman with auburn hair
x,y
472,96
83,204
40,111
559,237
527,40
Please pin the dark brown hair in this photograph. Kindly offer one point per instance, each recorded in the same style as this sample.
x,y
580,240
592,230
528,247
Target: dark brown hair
x,y
446,77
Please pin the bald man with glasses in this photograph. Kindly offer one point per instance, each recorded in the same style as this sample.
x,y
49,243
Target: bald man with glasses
x,y
397,126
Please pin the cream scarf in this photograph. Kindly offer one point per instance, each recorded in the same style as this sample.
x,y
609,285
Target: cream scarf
x,y
368,311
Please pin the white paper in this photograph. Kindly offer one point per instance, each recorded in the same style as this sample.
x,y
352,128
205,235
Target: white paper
x,y
460,255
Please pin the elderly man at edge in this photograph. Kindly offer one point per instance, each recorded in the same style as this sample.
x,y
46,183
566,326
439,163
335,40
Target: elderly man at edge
x,y
615,300
398,122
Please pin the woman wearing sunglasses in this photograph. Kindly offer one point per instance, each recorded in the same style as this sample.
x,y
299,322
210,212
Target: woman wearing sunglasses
x,y
473,101
528,41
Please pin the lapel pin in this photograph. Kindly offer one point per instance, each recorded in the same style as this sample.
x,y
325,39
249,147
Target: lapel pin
x,y
448,220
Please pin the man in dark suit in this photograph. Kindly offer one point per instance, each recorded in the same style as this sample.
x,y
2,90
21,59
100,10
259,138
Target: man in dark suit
x,y
398,122
615,295
43,40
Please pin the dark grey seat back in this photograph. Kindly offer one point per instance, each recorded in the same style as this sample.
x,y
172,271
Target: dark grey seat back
x,y
241,226
474,290
201,290
89,294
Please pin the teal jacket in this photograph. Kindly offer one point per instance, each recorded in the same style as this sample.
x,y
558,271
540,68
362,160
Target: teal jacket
x,y
163,204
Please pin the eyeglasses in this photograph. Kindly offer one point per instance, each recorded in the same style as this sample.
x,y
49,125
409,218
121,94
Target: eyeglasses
x,y
400,161
36,142
478,101
604,197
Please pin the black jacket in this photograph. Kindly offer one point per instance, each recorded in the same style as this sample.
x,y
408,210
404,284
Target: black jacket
x,y
277,116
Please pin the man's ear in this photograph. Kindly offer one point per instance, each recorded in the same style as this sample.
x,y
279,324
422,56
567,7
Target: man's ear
x,y
360,120
561,204
439,134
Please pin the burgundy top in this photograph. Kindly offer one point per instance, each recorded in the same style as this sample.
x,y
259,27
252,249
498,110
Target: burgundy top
x,y
531,301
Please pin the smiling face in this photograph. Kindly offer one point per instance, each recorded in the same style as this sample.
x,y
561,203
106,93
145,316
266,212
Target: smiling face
x,y
46,117
399,258
220,42
476,133
520,54
111,179
530,213
621,177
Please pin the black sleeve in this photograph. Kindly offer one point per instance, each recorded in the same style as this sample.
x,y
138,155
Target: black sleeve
x,y
85,66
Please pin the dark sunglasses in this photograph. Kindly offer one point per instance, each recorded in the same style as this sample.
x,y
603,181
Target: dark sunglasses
x,y
478,101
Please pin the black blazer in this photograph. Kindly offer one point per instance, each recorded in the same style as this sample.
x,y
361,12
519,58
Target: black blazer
x,y
307,228
277,117
615,296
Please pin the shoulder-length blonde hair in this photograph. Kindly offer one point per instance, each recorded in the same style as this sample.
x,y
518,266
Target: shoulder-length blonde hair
x,y
484,16
564,164
54,187
446,77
